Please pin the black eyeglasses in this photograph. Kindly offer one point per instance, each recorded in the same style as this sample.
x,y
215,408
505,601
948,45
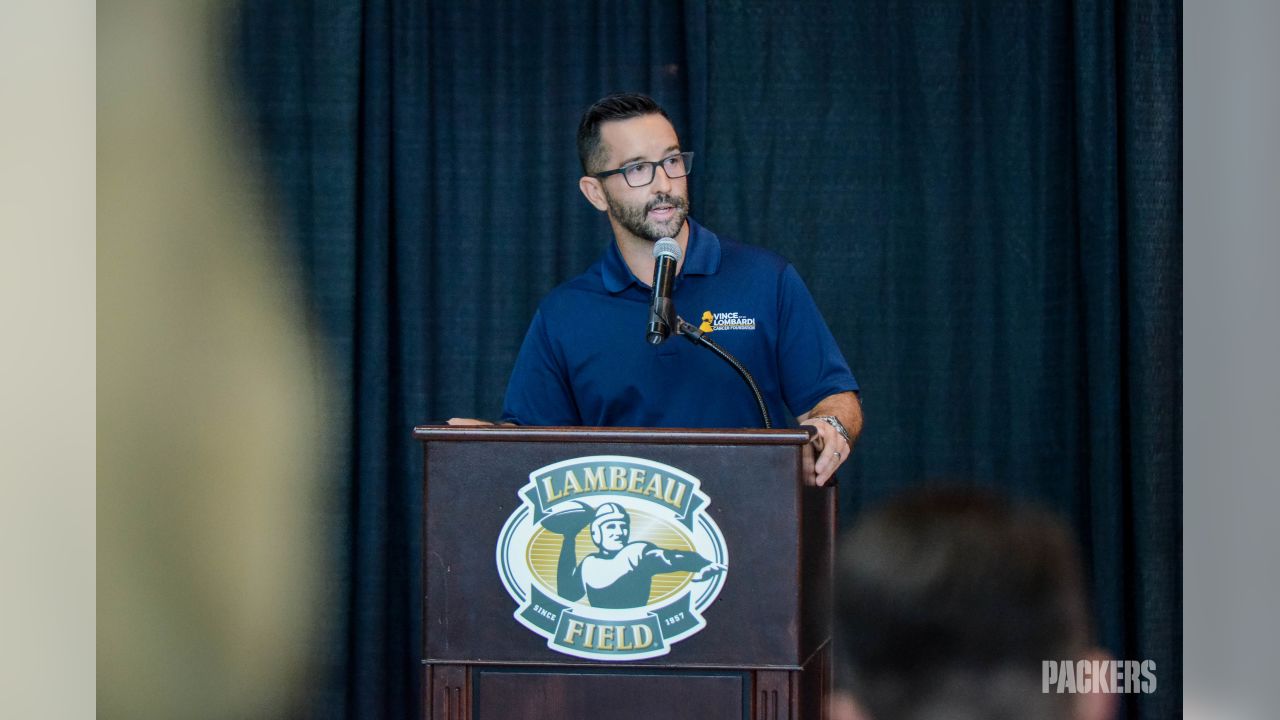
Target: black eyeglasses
x,y
642,173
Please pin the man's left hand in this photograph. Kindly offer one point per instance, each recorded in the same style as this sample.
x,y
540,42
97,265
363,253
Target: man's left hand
x,y
831,446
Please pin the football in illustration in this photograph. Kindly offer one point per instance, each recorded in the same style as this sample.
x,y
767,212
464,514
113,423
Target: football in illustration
x,y
569,520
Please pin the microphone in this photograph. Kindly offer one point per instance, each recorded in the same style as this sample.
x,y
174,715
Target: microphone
x,y
662,315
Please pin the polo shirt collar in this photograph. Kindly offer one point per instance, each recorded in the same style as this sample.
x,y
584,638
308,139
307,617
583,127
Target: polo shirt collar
x,y
702,257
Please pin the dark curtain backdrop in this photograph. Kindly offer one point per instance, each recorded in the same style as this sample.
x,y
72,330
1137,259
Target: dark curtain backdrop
x,y
983,197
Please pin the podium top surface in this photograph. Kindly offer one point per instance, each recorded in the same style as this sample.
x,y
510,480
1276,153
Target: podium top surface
x,y
681,436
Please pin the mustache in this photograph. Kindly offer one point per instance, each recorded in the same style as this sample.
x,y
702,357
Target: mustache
x,y
673,200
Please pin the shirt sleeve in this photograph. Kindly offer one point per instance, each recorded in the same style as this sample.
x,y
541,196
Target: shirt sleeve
x,y
538,392
809,360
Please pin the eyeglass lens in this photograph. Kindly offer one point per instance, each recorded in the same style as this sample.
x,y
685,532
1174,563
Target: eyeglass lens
x,y
676,166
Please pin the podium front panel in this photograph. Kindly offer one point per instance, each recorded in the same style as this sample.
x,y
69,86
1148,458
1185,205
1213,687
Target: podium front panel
x,y
473,487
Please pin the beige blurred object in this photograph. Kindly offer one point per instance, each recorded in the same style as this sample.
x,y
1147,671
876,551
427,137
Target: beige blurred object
x,y
210,396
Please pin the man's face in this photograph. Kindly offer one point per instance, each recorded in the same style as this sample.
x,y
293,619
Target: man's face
x,y
658,209
614,534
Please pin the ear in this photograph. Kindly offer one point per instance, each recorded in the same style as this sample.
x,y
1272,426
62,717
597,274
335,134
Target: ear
x,y
593,191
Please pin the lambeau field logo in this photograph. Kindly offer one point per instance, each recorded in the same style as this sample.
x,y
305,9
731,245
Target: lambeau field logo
x,y
612,557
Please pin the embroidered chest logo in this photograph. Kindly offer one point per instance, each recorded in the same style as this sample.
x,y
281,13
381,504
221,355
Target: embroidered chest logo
x,y
612,557
725,321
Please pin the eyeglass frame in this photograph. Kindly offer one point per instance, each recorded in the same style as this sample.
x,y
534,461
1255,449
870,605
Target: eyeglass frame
x,y
654,165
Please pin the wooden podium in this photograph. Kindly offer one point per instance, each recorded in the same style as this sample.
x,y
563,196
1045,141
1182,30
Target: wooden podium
x,y
501,641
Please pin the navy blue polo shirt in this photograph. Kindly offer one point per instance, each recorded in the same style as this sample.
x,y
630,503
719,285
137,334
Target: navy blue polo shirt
x,y
585,360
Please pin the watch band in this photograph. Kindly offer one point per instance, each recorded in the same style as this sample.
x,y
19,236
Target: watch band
x,y
834,422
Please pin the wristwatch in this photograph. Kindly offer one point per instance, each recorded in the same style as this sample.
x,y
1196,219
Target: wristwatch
x,y
834,422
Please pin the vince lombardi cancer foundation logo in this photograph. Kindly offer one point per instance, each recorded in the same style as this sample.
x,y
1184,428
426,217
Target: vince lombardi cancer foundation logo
x,y
712,322
1098,676
612,557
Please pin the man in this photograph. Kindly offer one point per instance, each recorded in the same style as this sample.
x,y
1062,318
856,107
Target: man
x,y
585,360
948,604
620,574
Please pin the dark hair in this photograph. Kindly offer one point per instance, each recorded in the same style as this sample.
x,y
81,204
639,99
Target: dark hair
x,y
618,106
952,598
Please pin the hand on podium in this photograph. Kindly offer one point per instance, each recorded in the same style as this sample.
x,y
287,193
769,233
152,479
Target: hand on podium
x,y
837,421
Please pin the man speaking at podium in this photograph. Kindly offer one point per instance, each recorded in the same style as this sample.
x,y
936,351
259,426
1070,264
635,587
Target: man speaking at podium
x,y
585,359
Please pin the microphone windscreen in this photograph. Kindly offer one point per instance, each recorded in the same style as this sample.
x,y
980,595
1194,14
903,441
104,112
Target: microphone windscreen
x,y
668,247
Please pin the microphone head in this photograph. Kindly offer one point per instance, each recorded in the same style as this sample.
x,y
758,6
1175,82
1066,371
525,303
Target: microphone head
x,y
668,247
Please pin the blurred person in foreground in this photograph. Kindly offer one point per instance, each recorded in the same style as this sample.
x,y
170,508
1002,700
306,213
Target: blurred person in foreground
x,y
214,412
948,601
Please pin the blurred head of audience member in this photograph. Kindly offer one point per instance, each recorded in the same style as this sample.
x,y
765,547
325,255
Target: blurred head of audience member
x,y
948,600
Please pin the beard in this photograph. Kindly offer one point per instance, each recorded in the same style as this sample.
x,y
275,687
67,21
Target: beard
x,y
636,219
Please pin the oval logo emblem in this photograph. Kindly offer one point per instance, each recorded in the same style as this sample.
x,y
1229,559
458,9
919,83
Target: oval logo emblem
x,y
611,557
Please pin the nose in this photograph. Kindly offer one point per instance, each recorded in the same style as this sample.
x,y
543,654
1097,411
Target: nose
x,y
661,183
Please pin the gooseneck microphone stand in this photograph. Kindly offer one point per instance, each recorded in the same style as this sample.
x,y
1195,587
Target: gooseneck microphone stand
x,y
697,337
